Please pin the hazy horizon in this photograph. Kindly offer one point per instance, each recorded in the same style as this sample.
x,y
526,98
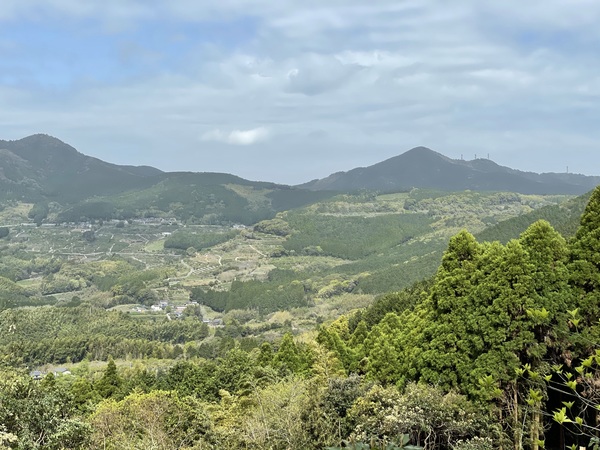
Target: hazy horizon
x,y
291,91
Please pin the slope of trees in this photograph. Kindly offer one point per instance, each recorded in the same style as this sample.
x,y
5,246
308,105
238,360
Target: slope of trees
x,y
495,321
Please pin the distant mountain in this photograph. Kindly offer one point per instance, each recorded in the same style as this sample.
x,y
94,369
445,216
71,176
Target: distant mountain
x,y
66,185
43,167
43,170
425,168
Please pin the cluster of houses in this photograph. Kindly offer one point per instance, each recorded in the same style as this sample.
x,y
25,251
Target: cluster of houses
x,y
57,372
176,311
160,307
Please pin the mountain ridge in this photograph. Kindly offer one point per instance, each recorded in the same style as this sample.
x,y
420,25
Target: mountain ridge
x,y
68,186
43,170
44,166
421,167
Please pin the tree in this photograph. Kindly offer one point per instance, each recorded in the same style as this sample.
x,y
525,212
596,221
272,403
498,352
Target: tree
x,y
276,420
158,419
289,358
4,231
38,415
110,383
383,350
585,261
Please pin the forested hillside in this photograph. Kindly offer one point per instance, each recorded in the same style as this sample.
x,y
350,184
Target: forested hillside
x,y
563,217
68,186
422,167
498,350
65,185
41,168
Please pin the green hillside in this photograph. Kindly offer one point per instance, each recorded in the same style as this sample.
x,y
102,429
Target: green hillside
x,y
421,167
200,197
564,218
67,186
43,168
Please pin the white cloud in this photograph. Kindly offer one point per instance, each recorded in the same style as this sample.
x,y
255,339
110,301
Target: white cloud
x,y
376,78
314,74
237,137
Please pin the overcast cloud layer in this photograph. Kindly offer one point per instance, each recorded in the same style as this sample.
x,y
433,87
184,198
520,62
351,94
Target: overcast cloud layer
x,y
292,90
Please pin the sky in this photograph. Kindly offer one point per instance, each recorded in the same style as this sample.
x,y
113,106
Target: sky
x,y
292,90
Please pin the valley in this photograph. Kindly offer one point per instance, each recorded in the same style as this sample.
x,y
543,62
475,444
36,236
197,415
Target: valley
x,y
317,247
225,305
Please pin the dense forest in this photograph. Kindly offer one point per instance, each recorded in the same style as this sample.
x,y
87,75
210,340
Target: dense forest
x,y
499,349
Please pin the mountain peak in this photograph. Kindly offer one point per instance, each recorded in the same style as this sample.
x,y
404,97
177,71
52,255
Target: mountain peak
x,y
44,150
421,167
420,152
41,140
419,149
415,157
57,170
42,137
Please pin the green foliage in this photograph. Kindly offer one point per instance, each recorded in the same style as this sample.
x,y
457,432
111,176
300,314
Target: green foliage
x,y
39,212
489,308
476,443
110,383
276,226
275,419
386,275
4,232
88,211
281,291
39,415
290,358
206,198
585,260
396,302
285,198
367,235
372,446
430,417
564,219
44,335
14,296
155,420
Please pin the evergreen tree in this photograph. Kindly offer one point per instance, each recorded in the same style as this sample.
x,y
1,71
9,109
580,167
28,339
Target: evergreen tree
x,y
585,261
491,309
290,358
551,296
110,383
384,363
265,355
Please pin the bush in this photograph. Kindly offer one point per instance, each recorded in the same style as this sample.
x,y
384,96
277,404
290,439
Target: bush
x,y
424,412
